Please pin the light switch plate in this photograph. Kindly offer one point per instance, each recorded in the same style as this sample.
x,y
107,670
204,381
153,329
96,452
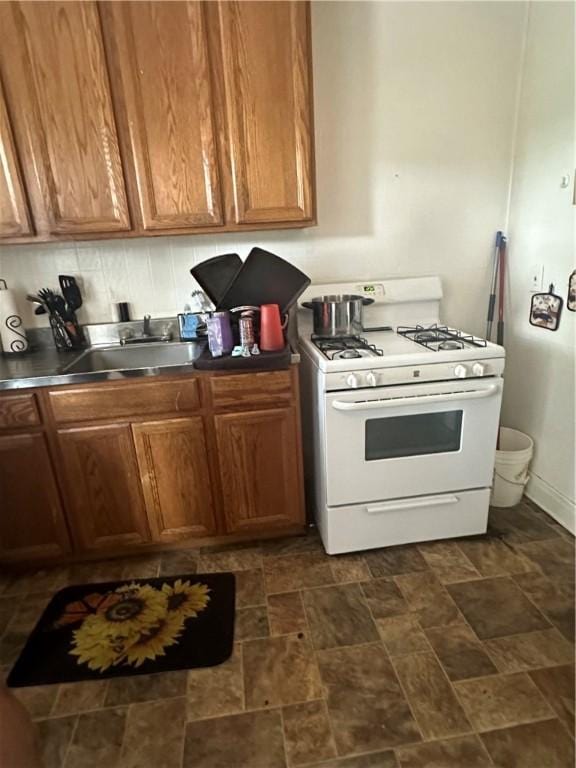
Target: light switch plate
x,y
537,278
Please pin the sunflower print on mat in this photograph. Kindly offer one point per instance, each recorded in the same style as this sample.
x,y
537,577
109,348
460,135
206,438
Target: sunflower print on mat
x,y
133,623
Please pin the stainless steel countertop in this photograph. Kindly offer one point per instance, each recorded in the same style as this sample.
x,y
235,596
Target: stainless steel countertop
x,y
43,367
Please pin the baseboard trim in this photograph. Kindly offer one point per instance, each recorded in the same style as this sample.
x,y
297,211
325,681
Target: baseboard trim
x,y
558,506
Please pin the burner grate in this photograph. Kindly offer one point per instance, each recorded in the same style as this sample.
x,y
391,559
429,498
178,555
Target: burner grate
x,y
440,337
345,347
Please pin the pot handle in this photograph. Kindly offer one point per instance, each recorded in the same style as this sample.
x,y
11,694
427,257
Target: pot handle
x,y
365,302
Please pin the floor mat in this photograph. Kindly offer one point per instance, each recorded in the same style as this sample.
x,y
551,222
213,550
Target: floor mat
x,y
134,627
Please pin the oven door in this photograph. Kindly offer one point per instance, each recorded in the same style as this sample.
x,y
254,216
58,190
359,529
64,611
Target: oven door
x,y
412,440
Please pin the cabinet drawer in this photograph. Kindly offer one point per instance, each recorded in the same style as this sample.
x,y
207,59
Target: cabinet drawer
x,y
248,389
89,403
18,411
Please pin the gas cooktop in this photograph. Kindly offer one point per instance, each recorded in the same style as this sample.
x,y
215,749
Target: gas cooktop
x,y
345,347
440,338
402,333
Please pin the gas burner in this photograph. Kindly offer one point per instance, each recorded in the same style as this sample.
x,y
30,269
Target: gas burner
x,y
449,344
345,347
426,336
440,337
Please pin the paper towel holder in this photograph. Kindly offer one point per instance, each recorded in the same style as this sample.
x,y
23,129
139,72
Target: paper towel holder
x,y
12,332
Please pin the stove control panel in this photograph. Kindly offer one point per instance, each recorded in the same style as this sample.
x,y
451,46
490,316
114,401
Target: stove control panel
x,y
364,378
361,379
476,370
371,290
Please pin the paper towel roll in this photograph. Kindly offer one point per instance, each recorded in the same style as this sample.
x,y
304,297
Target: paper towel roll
x,y
12,333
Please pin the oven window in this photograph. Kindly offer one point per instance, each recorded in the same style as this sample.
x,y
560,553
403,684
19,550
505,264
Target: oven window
x,y
397,436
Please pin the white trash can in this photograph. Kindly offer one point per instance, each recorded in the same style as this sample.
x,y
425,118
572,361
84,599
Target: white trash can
x,y
511,467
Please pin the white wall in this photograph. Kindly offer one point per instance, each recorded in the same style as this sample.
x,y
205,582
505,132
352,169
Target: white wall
x,y
414,111
539,391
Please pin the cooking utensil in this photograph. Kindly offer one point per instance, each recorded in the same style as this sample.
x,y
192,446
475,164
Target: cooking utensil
x,y
338,314
67,315
61,317
47,297
215,275
70,291
265,279
41,308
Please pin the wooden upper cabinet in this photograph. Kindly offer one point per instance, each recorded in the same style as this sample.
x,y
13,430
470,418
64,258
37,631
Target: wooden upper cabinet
x,y
31,518
266,59
14,215
56,81
164,90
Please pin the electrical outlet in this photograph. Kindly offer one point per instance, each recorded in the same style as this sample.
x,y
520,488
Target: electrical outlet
x,y
537,278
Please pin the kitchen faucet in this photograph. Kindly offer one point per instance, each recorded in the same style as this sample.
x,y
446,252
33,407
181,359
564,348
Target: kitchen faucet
x,y
128,337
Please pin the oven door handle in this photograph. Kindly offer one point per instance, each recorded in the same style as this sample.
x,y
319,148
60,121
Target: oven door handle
x,y
402,504
368,405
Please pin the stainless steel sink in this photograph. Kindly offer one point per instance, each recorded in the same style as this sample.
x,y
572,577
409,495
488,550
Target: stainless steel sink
x,y
134,358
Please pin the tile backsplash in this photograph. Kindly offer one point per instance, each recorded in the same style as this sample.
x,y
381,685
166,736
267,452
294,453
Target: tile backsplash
x,y
152,275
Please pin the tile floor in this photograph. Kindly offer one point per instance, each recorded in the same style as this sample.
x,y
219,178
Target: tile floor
x,y
454,654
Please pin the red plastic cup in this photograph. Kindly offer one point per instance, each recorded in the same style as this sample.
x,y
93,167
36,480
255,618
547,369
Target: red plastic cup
x,y
271,334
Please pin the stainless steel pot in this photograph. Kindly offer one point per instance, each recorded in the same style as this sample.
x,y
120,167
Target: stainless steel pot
x,y
337,315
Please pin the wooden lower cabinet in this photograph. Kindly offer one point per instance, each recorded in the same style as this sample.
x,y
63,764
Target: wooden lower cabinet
x,y
175,459
31,519
102,483
175,473
259,462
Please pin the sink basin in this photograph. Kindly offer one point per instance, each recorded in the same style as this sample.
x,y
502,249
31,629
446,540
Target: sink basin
x,y
133,358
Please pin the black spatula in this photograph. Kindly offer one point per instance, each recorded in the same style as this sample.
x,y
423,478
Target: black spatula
x,y
70,291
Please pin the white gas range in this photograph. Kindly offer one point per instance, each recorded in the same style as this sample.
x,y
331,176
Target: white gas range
x,y
400,425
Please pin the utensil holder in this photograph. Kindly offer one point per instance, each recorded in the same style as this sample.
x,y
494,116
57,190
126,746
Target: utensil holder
x,y
63,337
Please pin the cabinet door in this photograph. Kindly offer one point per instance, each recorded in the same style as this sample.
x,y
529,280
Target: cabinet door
x,y
260,469
165,87
173,460
103,486
14,216
31,520
265,50
56,82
